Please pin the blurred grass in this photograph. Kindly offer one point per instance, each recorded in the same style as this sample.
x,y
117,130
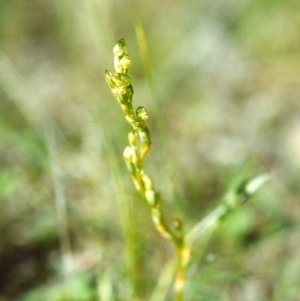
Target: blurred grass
x,y
227,76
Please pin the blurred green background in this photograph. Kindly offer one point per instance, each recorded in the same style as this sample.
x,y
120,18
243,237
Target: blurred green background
x,y
222,88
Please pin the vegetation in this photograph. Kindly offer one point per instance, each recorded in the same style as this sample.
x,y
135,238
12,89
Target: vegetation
x,y
134,155
220,82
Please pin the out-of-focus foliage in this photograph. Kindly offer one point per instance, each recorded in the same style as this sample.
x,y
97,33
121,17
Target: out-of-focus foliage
x,y
225,91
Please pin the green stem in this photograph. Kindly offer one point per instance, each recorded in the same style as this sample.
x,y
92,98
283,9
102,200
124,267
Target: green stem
x,y
134,154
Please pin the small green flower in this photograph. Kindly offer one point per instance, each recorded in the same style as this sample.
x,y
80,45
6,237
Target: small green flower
x,y
122,65
120,48
142,113
120,80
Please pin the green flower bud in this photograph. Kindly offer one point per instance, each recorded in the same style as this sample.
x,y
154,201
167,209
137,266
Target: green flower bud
x,y
121,80
156,215
127,154
145,135
131,155
142,113
148,183
125,62
151,197
120,48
